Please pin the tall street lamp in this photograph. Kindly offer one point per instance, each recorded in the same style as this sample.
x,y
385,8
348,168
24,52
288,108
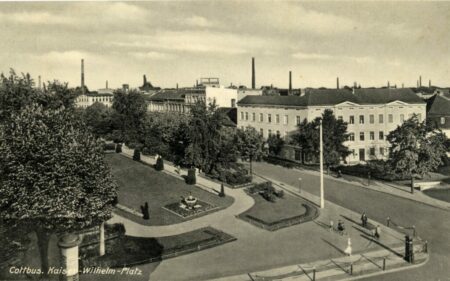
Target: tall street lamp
x,y
322,201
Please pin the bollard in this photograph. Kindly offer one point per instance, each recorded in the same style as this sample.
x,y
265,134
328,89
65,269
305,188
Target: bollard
x,y
351,269
384,264
388,221
426,246
314,274
68,245
414,230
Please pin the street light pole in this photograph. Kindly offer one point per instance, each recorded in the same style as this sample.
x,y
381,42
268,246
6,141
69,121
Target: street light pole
x,y
322,201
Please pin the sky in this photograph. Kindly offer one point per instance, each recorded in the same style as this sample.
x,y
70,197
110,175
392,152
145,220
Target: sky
x,y
180,41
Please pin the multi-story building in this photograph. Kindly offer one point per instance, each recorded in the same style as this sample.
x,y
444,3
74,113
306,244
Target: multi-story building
x,y
370,114
175,100
103,96
438,110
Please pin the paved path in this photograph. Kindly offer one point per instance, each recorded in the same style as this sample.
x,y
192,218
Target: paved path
x,y
432,224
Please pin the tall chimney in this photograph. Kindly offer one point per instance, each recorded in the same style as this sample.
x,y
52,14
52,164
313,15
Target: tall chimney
x,y
82,76
145,80
106,84
388,85
429,83
290,82
177,86
253,73
420,81
354,85
39,81
337,83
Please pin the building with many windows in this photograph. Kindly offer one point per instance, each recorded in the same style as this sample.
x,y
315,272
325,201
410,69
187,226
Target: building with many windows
x,y
438,111
103,96
370,113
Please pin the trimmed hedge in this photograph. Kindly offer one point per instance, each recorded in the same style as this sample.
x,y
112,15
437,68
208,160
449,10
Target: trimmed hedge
x,y
191,178
137,155
159,166
118,148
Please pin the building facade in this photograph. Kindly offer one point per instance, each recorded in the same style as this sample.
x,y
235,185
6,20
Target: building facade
x,y
88,99
370,114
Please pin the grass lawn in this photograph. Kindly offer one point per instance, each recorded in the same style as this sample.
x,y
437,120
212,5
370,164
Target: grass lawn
x,y
284,212
140,183
128,251
439,193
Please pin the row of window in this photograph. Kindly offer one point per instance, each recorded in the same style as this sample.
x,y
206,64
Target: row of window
x,y
351,119
246,116
100,99
363,134
372,150
269,132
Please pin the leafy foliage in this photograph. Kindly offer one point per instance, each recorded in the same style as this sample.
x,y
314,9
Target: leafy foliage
x,y
416,148
98,118
275,143
250,144
334,135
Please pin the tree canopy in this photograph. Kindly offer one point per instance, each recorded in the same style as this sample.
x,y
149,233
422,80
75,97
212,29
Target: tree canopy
x,y
416,148
334,136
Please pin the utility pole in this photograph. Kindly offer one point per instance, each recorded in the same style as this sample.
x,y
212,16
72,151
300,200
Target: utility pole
x,y
322,201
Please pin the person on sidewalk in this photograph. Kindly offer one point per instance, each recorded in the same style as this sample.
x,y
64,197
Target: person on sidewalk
x,y
377,232
331,225
364,219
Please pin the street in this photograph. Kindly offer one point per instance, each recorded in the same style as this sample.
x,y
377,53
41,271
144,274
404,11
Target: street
x,y
432,224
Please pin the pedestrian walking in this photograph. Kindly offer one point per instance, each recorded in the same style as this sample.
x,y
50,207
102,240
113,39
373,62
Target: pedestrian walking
x,y
364,219
331,225
377,232
348,250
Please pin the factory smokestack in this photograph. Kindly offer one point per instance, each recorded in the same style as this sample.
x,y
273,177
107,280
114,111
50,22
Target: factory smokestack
x,y
82,76
290,82
39,81
337,83
106,84
420,81
253,73
388,85
145,80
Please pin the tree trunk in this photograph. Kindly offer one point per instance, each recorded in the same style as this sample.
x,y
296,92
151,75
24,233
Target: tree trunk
x,y
251,168
43,241
412,183
102,239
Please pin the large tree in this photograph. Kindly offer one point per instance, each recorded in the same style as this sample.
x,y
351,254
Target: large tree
x,y
206,137
250,145
130,110
334,136
416,149
52,174
98,118
275,143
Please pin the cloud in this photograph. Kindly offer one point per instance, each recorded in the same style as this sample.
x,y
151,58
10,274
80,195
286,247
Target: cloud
x,y
196,42
35,18
327,57
198,21
152,55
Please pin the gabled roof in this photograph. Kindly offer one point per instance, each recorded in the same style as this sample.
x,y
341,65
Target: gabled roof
x,y
320,97
167,95
438,106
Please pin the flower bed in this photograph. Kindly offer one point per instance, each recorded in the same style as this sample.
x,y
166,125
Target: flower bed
x,y
186,213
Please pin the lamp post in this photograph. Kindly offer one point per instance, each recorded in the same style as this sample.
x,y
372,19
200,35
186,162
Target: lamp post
x,y
322,201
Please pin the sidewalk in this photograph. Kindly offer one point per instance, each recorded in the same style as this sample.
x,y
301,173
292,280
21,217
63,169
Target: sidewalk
x,y
385,187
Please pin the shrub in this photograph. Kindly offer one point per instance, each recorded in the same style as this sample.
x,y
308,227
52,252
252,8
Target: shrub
x,y
279,193
280,162
137,155
234,177
145,212
159,166
118,148
109,146
191,178
222,191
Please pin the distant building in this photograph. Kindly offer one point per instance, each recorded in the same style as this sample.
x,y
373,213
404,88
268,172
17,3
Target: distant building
x,y
147,87
370,113
438,110
175,100
103,96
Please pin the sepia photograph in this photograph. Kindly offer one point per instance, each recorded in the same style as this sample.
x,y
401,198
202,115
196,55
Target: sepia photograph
x,y
225,140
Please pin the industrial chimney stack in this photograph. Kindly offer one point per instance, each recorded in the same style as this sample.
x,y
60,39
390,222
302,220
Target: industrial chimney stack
x,y
253,73
337,83
420,81
290,82
145,80
106,84
82,76
39,81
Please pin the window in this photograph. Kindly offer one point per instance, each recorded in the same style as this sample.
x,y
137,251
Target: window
x,y
442,120
262,132
372,151
298,120
381,135
361,136
340,117
242,115
382,151
351,137
253,117
246,116
402,117
351,120
277,118
286,119
261,117
391,118
270,133
372,135
381,118
361,119
269,118
372,118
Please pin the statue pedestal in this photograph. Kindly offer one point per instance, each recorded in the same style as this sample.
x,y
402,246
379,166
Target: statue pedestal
x,y
68,245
